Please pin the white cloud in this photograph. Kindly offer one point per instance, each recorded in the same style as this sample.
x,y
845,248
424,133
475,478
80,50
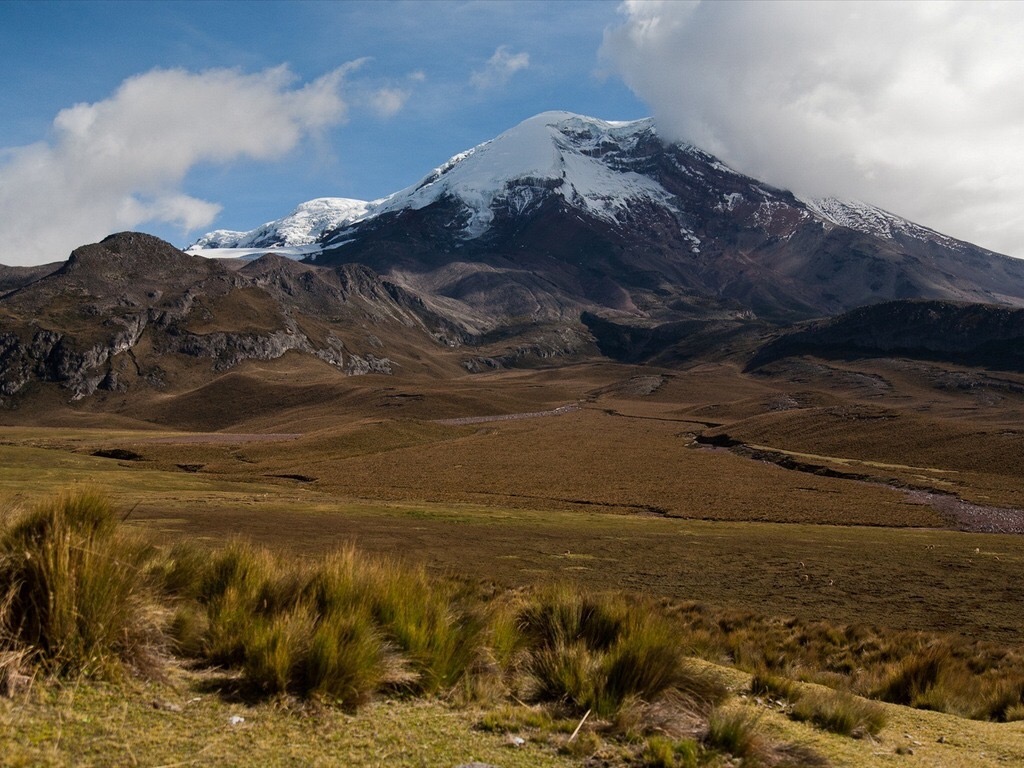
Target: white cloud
x,y
388,102
916,107
120,162
500,68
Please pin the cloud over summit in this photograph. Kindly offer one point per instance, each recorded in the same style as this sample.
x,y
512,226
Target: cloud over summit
x,y
917,107
500,68
118,163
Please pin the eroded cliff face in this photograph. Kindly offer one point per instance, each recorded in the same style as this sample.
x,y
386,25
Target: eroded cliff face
x,y
123,312
51,356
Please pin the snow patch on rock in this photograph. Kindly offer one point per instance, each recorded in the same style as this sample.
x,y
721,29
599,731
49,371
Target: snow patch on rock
x,y
872,220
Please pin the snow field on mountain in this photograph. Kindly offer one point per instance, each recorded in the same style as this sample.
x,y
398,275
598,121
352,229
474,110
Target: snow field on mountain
x,y
303,226
545,152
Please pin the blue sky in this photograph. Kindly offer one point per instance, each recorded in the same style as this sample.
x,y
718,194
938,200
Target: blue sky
x,y
55,55
177,118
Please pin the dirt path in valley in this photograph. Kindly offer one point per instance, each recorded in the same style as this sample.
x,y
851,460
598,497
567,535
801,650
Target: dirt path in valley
x,y
222,438
561,410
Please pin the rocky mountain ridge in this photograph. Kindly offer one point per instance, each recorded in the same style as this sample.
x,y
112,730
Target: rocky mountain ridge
x,y
134,313
132,310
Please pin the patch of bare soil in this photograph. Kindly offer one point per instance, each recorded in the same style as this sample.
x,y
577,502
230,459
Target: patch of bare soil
x,y
971,517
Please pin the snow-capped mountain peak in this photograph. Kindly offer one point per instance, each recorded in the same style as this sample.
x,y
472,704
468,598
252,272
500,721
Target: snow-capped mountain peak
x,y
552,153
564,213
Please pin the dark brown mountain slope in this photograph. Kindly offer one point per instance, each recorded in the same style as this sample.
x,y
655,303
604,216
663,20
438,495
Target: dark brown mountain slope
x,y
134,312
970,334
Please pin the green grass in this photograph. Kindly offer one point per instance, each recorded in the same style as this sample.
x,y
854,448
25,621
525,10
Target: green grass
x,y
85,600
662,752
736,732
338,658
333,634
99,725
853,574
340,628
764,683
425,618
840,712
926,670
83,597
440,636
915,677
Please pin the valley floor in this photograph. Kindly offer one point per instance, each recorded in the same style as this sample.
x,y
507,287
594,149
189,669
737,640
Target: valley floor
x,y
601,482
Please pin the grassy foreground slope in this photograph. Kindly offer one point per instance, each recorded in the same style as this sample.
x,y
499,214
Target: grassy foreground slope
x,y
104,726
114,651
100,725
84,602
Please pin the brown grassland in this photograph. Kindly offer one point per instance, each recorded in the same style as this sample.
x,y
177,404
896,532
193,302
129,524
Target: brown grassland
x,y
824,574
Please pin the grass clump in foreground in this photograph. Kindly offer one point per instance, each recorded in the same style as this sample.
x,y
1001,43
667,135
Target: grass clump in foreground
x,y
84,598
764,683
840,712
602,654
737,734
76,593
339,629
661,752
837,711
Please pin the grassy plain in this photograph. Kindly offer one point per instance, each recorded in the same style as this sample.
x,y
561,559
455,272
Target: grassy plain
x,y
109,725
613,495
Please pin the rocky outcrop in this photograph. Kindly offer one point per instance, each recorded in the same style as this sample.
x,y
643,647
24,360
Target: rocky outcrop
x,y
55,357
227,350
319,290
530,347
